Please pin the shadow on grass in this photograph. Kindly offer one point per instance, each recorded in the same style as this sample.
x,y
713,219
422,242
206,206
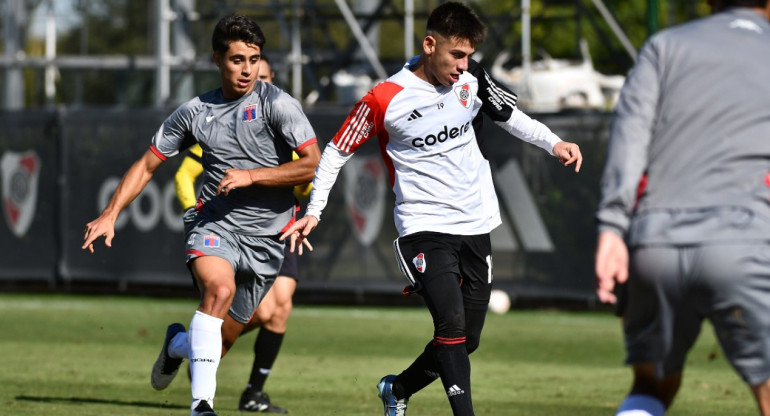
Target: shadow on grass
x,y
557,406
90,400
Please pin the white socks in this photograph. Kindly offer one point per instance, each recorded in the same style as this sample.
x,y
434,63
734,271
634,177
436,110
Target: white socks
x,y
641,405
205,340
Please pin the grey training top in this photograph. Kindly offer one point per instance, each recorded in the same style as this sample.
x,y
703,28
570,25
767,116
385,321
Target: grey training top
x,y
260,129
694,115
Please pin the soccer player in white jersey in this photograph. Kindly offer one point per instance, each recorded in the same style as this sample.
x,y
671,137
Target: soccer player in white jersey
x,y
247,130
446,204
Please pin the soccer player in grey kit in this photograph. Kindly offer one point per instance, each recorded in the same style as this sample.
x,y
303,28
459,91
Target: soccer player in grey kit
x,y
248,130
693,120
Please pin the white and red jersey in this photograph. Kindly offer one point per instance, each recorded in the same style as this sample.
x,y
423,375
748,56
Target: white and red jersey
x,y
440,178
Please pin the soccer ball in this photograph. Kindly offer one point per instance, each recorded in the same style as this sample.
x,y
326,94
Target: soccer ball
x,y
499,302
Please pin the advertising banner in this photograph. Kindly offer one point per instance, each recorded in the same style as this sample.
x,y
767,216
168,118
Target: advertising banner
x,y
59,169
148,247
29,163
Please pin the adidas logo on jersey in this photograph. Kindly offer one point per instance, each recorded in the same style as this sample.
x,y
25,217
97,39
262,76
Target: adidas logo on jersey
x,y
454,391
414,116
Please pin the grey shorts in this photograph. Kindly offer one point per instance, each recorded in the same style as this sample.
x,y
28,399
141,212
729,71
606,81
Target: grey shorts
x,y
255,260
671,290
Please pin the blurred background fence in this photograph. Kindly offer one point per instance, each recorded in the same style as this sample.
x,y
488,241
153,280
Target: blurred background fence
x,y
85,83
60,167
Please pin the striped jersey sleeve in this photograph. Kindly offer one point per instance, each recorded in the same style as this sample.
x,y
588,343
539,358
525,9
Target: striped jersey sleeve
x,y
365,121
366,118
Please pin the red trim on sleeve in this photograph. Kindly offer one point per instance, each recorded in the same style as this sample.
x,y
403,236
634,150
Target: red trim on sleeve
x,y
196,253
306,144
157,152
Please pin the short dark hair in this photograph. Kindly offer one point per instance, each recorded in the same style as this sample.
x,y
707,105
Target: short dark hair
x,y
456,20
233,28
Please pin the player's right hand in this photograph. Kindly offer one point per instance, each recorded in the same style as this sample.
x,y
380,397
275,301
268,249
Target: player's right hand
x,y
611,265
298,233
100,227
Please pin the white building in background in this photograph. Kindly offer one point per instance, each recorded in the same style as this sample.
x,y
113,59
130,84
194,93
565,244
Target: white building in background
x,y
553,85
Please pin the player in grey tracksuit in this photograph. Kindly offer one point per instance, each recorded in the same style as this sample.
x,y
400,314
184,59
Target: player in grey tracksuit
x,y
693,127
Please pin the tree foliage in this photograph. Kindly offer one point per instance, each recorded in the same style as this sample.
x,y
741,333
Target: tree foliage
x,y
558,25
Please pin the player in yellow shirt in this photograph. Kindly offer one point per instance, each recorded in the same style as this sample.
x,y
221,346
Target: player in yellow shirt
x,y
274,310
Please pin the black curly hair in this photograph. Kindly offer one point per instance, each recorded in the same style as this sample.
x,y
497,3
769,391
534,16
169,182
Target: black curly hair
x,y
233,28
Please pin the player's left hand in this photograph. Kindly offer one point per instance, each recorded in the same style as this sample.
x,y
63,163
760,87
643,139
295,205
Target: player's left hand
x,y
234,179
568,153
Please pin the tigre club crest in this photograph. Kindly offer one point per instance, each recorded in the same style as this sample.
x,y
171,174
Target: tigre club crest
x,y
249,113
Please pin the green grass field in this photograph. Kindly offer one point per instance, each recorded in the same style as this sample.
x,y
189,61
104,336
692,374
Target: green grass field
x,y
91,355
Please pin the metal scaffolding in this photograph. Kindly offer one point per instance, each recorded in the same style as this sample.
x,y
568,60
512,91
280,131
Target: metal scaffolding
x,y
309,54
174,47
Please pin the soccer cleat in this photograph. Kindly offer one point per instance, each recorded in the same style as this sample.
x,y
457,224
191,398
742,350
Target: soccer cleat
x,y
203,409
393,406
257,401
165,368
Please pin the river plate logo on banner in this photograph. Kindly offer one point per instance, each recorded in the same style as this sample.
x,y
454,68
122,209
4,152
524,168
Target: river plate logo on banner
x,y
19,175
365,196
